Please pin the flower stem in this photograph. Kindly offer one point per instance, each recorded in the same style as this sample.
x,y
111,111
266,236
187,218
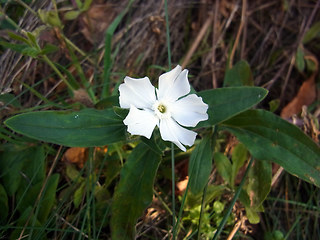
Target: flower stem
x,y
203,203
173,194
51,64
172,145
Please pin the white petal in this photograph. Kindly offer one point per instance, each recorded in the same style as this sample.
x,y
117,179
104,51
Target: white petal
x,y
138,92
189,111
171,131
173,84
140,122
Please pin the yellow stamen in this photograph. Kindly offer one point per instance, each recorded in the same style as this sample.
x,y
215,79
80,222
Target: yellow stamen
x,y
162,108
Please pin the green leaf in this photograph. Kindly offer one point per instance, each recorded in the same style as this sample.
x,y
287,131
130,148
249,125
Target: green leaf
x,y
73,174
73,82
17,37
31,52
4,204
312,33
34,165
225,103
9,99
71,15
239,156
32,39
28,197
268,137
251,213
11,165
78,195
50,18
259,185
27,216
200,165
223,166
86,5
48,48
20,48
134,192
239,75
212,193
274,105
113,167
49,197
85,128
300,63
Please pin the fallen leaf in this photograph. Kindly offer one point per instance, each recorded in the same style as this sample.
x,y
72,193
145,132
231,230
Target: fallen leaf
x,y
182,185
305,96
82,96
76,155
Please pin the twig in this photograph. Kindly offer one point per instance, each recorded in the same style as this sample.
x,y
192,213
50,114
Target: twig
x,y
196,42
73,227
214,42
243,16
235,229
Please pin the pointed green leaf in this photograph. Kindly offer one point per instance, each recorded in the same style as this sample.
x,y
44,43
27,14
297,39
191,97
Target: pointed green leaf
x,y
13,163
300,63
71,15
49,197
252,213
85,128
212,193
223,166
78,195
200,166
225,103
34,165
27,216
86,5
134,192
239,75
113,167
32,39
28,197
239,156
312,33
48,48
13,46
9,99
268,137
17,37
259,185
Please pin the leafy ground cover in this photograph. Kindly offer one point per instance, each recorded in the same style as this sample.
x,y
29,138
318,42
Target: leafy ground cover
x,y
70,170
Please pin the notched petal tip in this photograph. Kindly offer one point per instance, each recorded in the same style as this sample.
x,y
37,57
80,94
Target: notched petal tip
x,y
138,92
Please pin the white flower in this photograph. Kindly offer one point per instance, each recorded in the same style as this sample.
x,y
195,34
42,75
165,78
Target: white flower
x,y
168,107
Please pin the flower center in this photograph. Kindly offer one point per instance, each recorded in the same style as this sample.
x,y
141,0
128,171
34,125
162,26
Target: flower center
x,y
162,108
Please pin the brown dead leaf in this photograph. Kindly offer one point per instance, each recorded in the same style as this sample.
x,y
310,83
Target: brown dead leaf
x,y
305,96
82,96
76,155
181,186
